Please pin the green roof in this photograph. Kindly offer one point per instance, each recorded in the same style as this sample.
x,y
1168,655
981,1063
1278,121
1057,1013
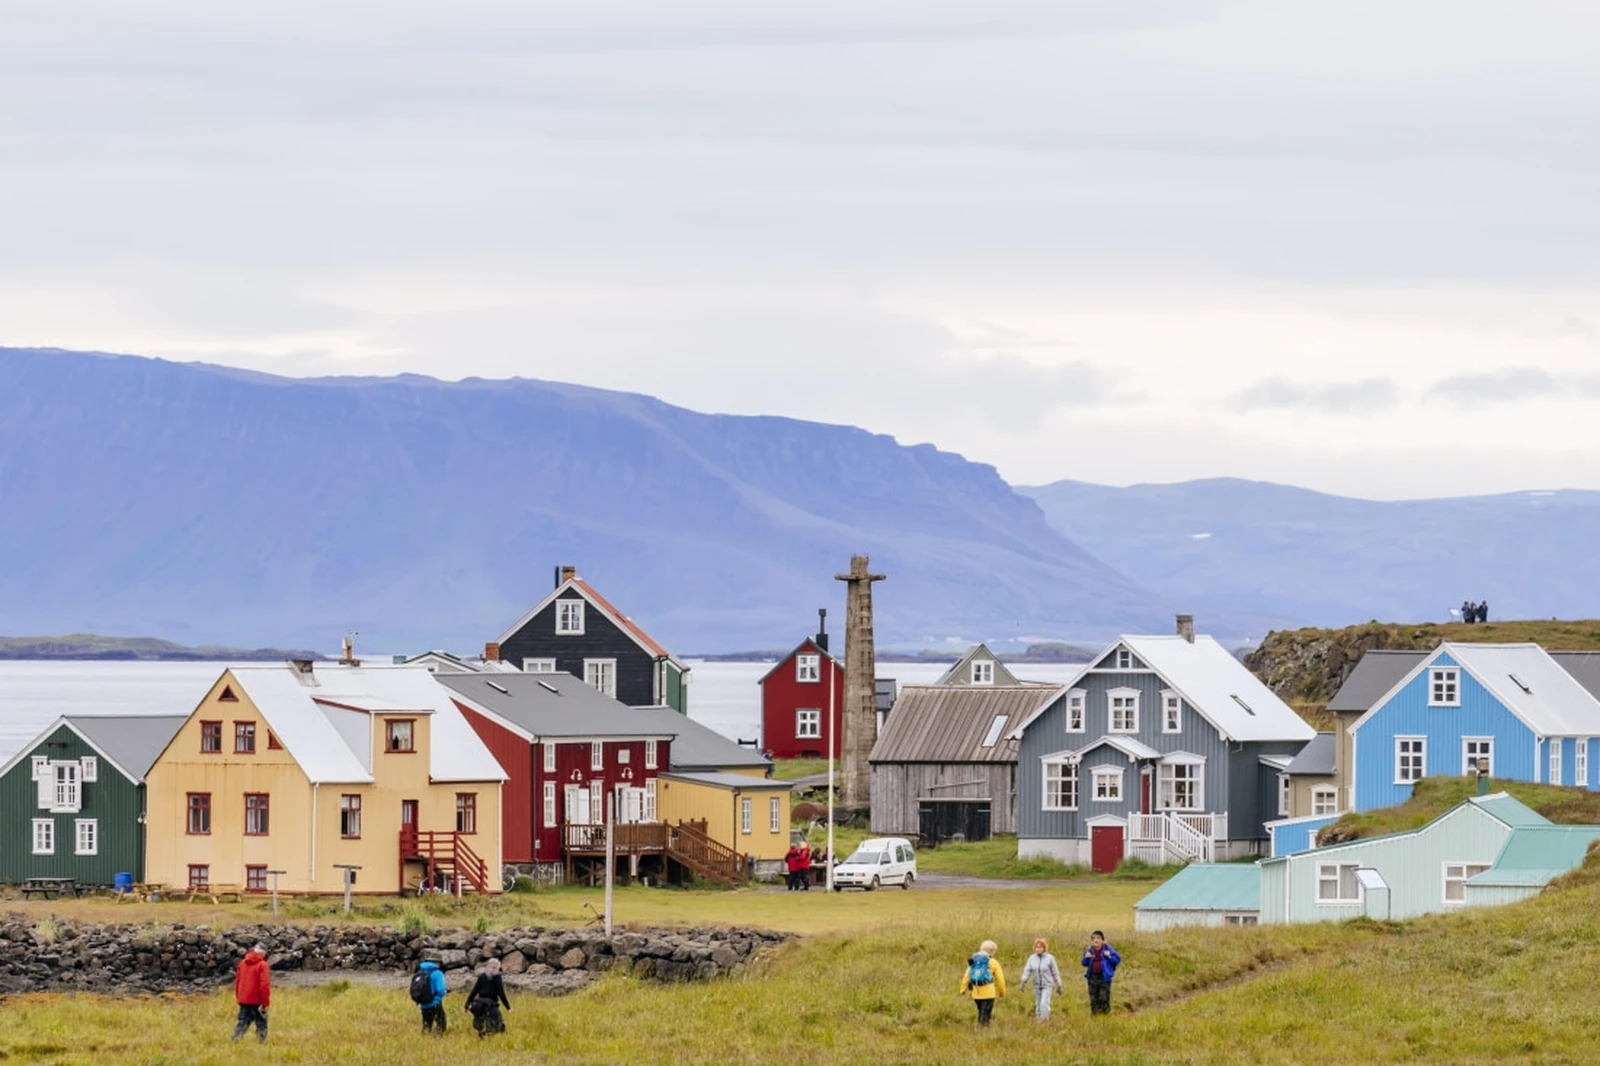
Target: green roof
x,y
1510,810
1535,854
1230,886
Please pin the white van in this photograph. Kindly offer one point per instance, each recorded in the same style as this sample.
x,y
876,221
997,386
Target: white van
x,y
878,861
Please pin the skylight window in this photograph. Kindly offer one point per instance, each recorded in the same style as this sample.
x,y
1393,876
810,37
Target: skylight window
x,y
1243,704
995,729
1521,684
498,687
547,686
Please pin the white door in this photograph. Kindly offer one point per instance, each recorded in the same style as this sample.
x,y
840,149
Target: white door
x,y
578,805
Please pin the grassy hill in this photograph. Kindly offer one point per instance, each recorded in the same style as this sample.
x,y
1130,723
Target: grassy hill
x,y
93,646
1307,666
1432,796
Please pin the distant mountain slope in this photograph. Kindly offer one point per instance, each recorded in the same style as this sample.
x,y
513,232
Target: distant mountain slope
x,y
1300,557
197,502
90,646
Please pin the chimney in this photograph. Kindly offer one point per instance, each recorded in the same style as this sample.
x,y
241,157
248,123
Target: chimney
x,y
1186,627
822,629
347,656
565,574
491,652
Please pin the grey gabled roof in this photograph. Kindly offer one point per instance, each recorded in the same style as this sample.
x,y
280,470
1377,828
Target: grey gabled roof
x,y
1316,757
133,742
699,747
1584,666
1376,673
949,723
557,705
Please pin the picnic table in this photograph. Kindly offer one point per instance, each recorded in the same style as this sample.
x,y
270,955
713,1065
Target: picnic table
x,y
49,887
216,893
143,891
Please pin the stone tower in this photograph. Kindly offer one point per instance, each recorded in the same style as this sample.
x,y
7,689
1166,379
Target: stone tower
x,y
859,717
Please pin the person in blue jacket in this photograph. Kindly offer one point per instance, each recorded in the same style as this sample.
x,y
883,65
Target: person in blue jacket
x,y
433,1009
1100,962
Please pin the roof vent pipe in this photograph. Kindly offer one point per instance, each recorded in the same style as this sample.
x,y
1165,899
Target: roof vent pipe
x,y
1186,627
822,629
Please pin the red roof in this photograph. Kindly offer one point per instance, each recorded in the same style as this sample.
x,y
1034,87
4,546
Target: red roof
x,y
621,619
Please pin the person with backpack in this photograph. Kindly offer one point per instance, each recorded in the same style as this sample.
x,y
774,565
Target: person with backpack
x,y
1100,962
488,995
252,990
427,992
1042,970
984,981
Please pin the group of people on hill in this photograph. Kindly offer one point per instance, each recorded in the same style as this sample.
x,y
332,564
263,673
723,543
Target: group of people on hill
x,y
985,979
1472,613
252,991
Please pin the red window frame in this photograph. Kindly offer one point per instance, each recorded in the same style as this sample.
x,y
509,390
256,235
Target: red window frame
x,y
389,738
244,738
350,805
199,804
211,738
257,804
467,813
255,878
199,875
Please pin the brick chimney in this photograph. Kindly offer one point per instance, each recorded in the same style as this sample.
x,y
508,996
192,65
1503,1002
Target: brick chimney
x,y
565,574
1186,627
491,652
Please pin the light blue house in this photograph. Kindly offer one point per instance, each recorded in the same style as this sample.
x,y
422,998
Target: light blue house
x,y
1512,705
1484,851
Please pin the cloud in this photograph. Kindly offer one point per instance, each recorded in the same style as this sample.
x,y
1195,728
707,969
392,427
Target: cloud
x,y
1512,385
1364,397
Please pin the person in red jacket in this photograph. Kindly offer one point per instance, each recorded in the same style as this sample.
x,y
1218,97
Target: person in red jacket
x,y
252,988
791,863
805,867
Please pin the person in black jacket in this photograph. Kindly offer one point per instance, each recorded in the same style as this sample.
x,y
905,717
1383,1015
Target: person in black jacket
x,y
488,995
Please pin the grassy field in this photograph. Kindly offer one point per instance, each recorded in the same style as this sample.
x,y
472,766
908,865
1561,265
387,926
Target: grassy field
x,y
789,769
878,985
1432,796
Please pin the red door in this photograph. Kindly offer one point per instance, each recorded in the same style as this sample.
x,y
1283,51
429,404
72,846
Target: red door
x,y
1144,791
1105,847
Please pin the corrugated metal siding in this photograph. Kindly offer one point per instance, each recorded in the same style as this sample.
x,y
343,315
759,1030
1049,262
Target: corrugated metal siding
x,y
1411,864
1274,875
782,695
1288,839
112,800
636,680
1253,798
1048,735
519,802
948,723
1408,714
897,789
1151,921
1499,895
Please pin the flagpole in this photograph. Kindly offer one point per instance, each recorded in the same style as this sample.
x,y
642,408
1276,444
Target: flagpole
x,y
833,738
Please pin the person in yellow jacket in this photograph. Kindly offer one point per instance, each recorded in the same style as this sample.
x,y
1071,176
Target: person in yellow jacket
x,y
984,981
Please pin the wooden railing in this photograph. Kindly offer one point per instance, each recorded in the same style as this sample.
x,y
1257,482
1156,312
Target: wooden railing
x,y
1176,836
444,852
631,837
689,844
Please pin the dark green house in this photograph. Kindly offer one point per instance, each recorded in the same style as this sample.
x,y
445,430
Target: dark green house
x,y
72,801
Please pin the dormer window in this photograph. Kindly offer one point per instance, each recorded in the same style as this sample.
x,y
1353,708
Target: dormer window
x,y
983,671
808,668
1444,687
569,618
399,735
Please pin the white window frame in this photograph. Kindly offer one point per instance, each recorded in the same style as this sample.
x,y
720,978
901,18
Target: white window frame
x,y
1124,659
652,754
1580,762
538,666
44,836
650,799
746,815
1171,712
1064,775
1077,710
603,670
1339,884
776,804
1458,873
1554,744
91,769
549,804
569,617
808,669
86,836
1284,789
597,755
1167,779
1468,758
67,795
1112,696
1444,686
549,757
597,803
1420,754
1111,778
808,723
1324,800
983,671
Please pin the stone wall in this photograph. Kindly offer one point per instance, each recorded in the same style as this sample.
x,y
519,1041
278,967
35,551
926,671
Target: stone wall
x,y
109,959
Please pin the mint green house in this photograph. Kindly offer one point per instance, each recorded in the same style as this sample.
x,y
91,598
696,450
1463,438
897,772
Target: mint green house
x,y
1485,850
1201,893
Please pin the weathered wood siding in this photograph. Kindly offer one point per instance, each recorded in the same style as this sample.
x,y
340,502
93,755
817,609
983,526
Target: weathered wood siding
x,y
897,788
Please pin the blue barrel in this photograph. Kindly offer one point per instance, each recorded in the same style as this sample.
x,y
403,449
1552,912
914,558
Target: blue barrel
x,y
122,884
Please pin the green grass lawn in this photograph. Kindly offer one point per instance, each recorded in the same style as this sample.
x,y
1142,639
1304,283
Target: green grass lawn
x,y
789,769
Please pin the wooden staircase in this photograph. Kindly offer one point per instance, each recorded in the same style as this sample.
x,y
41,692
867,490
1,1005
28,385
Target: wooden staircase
x,y
690,846
443,853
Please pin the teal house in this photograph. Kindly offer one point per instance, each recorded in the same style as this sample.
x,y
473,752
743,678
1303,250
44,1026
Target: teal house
x,y
1203,894
72,800
1485,850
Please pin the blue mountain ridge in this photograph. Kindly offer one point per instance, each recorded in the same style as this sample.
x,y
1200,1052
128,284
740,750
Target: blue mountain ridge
x,y
203,503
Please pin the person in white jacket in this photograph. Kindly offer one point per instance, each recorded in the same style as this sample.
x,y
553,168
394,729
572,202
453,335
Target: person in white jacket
x,y
1042,970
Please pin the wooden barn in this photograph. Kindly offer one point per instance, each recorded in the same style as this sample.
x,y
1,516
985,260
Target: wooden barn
x,y
943,764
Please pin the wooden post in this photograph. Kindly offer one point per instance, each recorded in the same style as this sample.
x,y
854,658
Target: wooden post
x,y
274,875
860,687
611,851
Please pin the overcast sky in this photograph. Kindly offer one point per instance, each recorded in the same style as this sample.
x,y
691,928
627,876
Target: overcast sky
x,y
1354,246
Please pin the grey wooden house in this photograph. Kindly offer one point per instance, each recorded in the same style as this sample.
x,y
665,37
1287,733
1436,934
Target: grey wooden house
x,y
946,763
1164,748
979,666
72,801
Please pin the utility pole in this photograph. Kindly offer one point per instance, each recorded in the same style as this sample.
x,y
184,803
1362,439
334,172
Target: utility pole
x,y
860,686
274,875
349,879
611,851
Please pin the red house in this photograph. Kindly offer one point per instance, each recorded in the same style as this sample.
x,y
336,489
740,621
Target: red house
x,y
565,748
795,704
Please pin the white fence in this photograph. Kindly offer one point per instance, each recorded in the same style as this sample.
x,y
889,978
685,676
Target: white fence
x,y
1176,837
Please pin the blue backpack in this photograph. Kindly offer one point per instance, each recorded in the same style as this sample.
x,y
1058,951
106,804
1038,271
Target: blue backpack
x,y
978,971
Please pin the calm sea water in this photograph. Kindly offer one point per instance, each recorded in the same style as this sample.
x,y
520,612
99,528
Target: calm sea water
x,y
723,696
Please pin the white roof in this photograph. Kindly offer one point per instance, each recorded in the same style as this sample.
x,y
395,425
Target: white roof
x,y
302,712
1531,684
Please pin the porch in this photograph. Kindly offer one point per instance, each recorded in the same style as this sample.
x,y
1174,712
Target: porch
x,y
645,844
1176,837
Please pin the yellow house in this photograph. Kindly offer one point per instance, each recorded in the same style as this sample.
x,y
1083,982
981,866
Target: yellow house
x,y
748,814
306,767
